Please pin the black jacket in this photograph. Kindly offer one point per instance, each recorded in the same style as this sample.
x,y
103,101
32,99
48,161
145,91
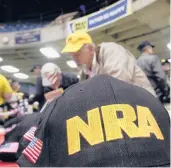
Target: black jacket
x,y
68,79
39,96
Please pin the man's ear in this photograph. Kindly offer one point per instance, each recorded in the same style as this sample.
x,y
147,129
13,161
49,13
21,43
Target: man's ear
x,y
91,48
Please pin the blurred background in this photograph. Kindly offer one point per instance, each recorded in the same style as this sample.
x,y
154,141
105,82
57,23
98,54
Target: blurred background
x,y
34,32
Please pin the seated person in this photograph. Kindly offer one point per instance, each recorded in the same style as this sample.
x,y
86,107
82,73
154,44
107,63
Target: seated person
x,y
8,99
6,92
100,122
63,80
53,78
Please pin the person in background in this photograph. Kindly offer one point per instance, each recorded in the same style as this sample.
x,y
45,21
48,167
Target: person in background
x,y
58,81
166,69
15,85
39,96
6,92
106,58
7,98
36,69
151,65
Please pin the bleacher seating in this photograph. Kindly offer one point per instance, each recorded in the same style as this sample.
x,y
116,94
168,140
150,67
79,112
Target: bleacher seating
x,y
12,27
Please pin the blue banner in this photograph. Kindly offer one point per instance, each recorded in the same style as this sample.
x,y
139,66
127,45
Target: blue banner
x,y
27,37
103,17
108,15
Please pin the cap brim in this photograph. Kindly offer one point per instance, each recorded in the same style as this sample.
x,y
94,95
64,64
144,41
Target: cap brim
x,y
71,48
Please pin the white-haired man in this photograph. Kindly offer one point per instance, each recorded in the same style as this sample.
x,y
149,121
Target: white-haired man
x,y
106,58
53,78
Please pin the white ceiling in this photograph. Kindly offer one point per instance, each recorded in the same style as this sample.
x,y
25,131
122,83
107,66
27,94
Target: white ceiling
x,y
150,23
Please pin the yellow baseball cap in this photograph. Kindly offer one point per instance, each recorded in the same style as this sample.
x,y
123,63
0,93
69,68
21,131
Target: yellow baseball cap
x,y
75,41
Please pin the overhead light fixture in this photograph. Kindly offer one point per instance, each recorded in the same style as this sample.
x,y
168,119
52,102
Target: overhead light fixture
x,y
49,52
9,68
1,59
72,64
21,75
169,46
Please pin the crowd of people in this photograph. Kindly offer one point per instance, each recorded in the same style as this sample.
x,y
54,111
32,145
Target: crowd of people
x,y
67,128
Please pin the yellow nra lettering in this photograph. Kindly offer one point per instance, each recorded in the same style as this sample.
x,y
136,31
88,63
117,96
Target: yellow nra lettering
x,y
113,126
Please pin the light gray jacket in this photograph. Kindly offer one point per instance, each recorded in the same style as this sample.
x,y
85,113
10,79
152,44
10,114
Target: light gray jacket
x,y
151,66
116,61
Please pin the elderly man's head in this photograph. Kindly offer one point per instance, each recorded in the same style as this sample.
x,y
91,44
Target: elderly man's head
x,y
80,46
84,55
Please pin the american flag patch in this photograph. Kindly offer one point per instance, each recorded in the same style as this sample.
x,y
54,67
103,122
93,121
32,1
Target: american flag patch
x,y
9,147
33,150
29,135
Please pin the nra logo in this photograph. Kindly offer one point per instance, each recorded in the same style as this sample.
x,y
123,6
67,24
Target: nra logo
x,y
113,125
79,25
